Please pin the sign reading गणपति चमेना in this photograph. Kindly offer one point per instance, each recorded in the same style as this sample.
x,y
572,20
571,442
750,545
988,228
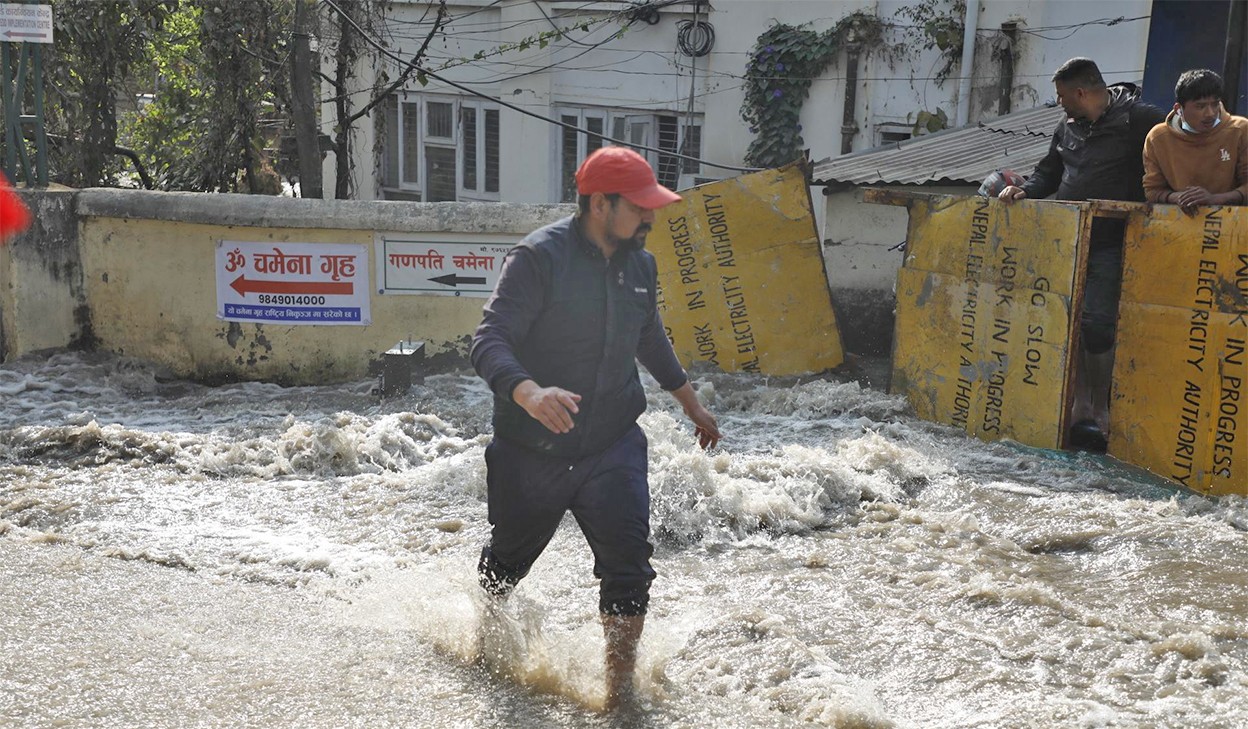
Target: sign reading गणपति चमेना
x,y
293,283
25,23
434,265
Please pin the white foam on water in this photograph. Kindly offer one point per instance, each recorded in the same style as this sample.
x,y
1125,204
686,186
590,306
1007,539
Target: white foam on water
x,y
441,605
794,488
545,643
753,659
834,563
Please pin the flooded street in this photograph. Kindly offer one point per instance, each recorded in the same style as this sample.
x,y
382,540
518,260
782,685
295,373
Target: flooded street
x,y
251,555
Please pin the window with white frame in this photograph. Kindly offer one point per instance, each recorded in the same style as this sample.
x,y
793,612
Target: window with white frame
x,y
671,133
440,148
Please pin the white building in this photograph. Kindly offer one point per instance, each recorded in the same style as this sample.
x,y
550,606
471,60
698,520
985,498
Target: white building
x,y
620,72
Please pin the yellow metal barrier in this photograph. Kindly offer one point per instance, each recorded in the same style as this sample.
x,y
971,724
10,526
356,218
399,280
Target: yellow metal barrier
x,y
984,300
742,279
988,296
1180,378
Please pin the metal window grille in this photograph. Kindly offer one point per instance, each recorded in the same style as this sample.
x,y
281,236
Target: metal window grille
x,y
568,158
668,170
439,174
491,150
691,146
410,118
390,160
441,120
468,148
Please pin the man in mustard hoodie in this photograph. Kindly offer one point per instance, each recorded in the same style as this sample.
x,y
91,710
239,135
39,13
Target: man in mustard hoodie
x,y
1199,155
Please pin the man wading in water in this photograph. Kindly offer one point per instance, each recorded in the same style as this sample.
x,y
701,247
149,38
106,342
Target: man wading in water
x,y
574,309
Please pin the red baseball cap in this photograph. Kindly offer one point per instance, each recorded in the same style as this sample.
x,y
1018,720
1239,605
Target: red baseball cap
x,y
621,170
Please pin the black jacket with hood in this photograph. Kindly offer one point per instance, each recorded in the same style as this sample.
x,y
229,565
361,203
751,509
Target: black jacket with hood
x,y
1103,159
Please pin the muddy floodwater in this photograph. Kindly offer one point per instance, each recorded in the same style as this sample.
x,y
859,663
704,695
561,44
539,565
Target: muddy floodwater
x,y
250,555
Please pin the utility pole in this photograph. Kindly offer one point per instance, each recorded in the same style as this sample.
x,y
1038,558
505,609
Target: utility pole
x,y
307,143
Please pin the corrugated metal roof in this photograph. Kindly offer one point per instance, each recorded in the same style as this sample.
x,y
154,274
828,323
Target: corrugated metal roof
x,y
967,155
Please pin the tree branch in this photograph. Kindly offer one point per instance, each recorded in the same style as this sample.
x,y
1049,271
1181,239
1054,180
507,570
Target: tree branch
x,y
438,22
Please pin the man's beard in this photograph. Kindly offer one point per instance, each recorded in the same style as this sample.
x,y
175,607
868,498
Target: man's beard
x,y
634,243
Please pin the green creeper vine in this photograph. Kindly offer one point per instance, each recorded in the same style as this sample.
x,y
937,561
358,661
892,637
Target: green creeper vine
x,y
932,29
783,63
786,59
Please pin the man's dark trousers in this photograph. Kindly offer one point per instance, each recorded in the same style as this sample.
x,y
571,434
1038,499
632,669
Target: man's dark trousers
x,y
608,494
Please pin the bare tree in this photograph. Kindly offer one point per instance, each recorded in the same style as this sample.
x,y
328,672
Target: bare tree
x,y
352,19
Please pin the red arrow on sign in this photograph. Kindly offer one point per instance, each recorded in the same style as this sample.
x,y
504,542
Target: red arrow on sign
x,y
242,285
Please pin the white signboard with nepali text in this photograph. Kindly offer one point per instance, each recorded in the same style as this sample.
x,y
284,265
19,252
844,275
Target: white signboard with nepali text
x,y
25,23
293,283
433,264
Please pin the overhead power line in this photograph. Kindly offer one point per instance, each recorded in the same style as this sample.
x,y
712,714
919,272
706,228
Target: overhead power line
x,y
455,31
410,65
551,20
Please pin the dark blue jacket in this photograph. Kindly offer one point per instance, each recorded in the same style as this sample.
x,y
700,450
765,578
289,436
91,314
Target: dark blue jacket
x,y
1102,159
565,316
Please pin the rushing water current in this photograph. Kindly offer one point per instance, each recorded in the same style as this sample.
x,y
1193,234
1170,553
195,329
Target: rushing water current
x,y
250,555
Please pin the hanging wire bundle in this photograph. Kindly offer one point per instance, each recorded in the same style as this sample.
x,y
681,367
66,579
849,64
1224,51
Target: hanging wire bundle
x,y
695,38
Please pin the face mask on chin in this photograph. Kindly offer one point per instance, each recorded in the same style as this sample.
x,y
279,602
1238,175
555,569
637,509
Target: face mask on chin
x,y
1188,127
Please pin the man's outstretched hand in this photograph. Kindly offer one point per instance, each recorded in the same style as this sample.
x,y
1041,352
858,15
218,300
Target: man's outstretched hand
x,y
707,439
553,407
704,425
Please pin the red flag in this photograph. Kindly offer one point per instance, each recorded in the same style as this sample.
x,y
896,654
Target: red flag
x,y
14,217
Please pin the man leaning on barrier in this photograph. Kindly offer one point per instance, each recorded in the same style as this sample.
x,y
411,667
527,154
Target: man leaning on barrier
x,y
1199,155
1096,153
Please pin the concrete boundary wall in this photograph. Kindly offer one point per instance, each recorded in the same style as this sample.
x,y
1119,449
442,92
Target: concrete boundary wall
x,y
134,273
